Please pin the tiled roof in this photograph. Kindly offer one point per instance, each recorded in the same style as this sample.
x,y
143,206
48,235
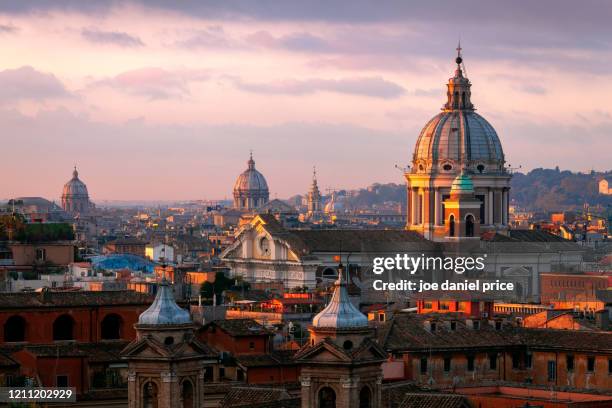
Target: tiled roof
x,y
408,332
427,400
266,360
96,352
240,327
249,396
49,298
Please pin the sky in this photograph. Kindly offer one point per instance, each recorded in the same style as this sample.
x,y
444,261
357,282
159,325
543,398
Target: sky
x,y
163,100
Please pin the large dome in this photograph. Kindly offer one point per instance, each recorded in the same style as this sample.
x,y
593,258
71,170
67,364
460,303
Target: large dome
x,y
75,187
458,138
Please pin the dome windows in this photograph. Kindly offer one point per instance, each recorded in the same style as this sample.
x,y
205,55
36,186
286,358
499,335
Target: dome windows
x,y
480,167
447,167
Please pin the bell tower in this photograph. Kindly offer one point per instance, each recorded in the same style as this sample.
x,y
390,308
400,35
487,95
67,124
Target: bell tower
x,y
314,197
166,362
461,210
341,367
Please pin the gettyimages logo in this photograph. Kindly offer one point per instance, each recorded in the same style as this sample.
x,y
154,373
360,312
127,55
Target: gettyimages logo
x,y
412,264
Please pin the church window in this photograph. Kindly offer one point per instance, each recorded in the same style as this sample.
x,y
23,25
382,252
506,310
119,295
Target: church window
x,y
14,329
327,398
168,341
347,345
480,168
149,395
481,198
187,394
63,328
469,226
447,167
451,226
365,397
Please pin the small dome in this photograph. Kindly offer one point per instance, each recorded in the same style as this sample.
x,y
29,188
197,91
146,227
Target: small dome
x,y
75,187
164,310
251,180
462,184
340,313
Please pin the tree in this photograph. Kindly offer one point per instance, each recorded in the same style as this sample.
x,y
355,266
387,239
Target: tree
x,y
221,284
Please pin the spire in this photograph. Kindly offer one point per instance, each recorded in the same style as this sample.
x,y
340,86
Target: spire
x,y
75,173
251,162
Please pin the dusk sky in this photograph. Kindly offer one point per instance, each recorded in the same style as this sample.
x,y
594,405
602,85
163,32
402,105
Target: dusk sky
x,y
165,101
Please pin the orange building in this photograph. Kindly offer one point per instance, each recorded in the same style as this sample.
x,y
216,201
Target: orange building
x,y
570,290
68,338
25,255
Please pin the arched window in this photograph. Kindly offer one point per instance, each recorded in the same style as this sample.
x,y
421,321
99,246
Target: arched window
x,y
365,397
187,394
330,272
463,103
63,328
451,226
327,398
14,329
111,327
469,226
149,395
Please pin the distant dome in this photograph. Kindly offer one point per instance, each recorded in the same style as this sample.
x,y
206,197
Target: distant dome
x,y
335,204
340,313
458,137
75,198
250,189
75,187
164,310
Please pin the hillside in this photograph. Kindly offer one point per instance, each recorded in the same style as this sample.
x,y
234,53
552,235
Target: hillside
x,y
539,189
552,189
